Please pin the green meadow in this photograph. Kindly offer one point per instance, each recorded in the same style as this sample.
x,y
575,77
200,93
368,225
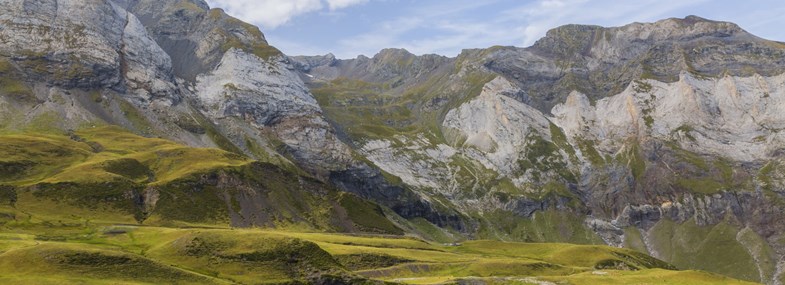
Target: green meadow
x,y
51,253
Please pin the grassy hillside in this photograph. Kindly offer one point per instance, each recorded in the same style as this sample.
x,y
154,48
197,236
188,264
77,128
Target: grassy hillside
x,y
103,154
107,174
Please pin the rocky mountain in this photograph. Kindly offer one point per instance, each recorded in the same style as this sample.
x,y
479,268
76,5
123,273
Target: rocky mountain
x,y
177,70
661,137
658,136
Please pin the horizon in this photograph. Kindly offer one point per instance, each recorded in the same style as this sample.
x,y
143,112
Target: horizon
x,y
350,28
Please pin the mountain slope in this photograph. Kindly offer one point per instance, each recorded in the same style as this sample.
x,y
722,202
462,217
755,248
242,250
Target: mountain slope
x,y
213,81
634,136
103,173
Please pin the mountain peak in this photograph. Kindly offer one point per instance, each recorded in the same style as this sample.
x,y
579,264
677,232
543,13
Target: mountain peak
x,y
393,52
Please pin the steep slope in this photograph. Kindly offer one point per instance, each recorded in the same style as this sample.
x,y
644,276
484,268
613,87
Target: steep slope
x,y
658,136
106,173
182,71
252,95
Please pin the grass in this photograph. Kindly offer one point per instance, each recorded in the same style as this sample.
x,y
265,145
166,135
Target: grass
x,y
52,262
135,117
64,242
632,157
544,226
215,135
701,185
655,276
11,84
110,253
590,152
368,217
688,245
706,176
102,173
122,156
543,156
379,111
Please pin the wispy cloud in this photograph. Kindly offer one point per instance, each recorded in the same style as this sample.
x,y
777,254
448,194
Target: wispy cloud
x,y
339,4
273,13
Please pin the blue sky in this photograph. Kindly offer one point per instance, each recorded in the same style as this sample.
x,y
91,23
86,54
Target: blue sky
x,y
348,28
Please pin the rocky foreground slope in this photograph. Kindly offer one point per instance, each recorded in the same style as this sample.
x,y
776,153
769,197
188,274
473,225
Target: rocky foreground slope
x,y
663,137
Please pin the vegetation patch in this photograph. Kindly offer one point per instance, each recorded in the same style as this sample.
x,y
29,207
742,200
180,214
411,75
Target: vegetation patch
x,y
544,156
364,261
688,245
138,121
369,217
129,168
641,86
632,157
591,153
545,226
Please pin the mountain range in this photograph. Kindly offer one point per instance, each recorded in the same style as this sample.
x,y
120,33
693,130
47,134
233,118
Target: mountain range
x,y
664,138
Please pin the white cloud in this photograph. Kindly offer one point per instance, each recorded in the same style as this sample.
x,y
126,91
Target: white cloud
x,y
268,13
340,4
273,13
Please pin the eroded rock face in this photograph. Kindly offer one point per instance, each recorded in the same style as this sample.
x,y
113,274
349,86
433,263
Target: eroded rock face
x,y
734,117
85,44
498,125
195,36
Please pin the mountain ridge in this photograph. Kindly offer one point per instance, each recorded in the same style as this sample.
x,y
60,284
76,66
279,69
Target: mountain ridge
x,y
487,133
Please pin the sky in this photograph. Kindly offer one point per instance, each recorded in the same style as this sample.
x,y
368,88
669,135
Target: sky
x,y
348,28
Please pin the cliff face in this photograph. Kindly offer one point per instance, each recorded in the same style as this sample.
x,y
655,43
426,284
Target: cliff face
x,y
663,137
